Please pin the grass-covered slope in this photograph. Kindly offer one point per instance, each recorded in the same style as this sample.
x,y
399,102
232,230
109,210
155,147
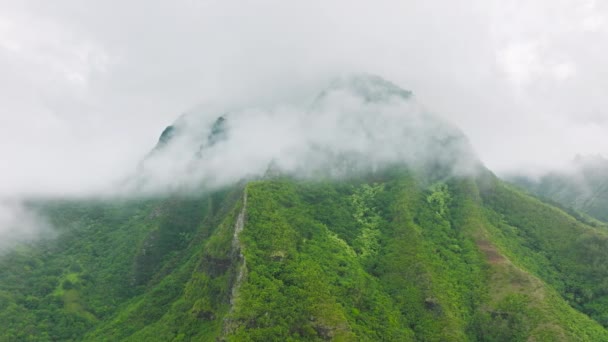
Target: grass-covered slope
x,y
387,257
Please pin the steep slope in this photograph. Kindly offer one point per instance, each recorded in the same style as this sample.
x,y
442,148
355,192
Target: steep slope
x,y
107,252
416,263
565,252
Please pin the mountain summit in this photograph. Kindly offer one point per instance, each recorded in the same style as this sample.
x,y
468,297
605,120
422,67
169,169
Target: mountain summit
x,y
371,88
356,124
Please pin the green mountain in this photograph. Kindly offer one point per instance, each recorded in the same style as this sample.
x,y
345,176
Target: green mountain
x,y
413,251
583,186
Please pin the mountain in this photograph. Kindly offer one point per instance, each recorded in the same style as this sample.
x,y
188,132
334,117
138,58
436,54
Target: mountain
x,y
400,246
583,186
355,125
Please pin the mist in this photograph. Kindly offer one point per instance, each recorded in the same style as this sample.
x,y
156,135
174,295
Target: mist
x,y
357,123
21,224
87,88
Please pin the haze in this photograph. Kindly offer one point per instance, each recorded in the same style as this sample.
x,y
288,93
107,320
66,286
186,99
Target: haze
x,y
87,87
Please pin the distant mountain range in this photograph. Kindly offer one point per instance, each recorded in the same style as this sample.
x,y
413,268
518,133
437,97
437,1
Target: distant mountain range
x,y
582,186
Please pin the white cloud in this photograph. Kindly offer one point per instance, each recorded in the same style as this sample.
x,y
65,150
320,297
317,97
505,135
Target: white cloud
x,y
521,62
88,86
563,71
525,63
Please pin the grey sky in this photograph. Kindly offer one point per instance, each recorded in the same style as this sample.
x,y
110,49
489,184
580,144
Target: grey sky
x,y
86,87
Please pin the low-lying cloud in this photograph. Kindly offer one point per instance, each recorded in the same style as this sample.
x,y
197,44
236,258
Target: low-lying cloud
x,y
359,123
21,224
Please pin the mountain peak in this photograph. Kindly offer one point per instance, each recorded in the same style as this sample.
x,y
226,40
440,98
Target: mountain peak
x,y
358,123
371,88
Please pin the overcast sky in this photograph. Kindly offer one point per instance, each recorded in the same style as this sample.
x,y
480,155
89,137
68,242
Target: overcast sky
x,y
86,87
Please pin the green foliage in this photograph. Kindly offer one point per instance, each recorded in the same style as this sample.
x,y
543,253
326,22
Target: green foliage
x,y
439,199
384,257
304,282
367,244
